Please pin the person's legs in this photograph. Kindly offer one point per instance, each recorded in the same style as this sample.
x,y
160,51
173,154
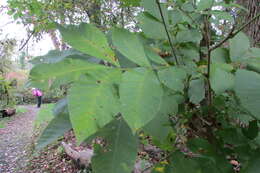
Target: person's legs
x,y
39,101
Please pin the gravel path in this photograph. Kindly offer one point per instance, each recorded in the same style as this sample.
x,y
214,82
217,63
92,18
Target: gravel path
x,y
15,140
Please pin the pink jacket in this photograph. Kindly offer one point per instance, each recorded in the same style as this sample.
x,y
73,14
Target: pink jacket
x,y
37,92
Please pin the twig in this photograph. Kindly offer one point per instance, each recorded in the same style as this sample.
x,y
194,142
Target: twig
x,y
231,34
26,42
208,40
168,35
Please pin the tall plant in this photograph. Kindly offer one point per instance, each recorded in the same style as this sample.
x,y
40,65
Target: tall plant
x,y
199,103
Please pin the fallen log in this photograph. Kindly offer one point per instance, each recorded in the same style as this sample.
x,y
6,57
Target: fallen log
x,y
82,158
7,112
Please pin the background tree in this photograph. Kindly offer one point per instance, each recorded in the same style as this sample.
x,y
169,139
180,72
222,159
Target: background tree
x,y
252,30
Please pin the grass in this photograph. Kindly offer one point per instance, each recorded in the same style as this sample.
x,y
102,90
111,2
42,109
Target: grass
x,y
3,121
44,116
21,110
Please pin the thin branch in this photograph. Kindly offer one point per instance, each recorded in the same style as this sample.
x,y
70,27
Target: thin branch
x,y
26,42
208,40
231,34
168,35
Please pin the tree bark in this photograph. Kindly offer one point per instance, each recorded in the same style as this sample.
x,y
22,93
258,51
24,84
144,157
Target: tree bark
x,y
252,30
54,39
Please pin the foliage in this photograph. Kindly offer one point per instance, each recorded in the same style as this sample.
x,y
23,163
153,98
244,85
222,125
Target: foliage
x,y
44,116
198,90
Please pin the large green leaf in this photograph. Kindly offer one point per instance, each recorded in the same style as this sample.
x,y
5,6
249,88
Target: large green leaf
x,y
159,127
181,164
253,166
120,153
154,57
146,22
219,55
140,96
205,4
239,46
64,71
196,91
88,39
93,102
55,56
151,7
173,78
130,46
176,16
247,86
189,35
191,53
57,126
221,80
252,130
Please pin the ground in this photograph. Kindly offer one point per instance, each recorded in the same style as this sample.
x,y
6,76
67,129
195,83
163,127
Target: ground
x,y
15,140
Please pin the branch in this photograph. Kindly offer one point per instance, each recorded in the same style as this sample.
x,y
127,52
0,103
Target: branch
x,y
168,35
208,40
231,34
26,42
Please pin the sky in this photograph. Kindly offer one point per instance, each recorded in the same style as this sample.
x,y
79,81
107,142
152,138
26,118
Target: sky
x,y
11,29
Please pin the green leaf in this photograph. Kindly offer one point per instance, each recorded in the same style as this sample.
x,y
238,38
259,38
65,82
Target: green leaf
x,y
146,22
253,166
93,102
190,53
221,80
151,7
140,96
88,39
65,71
133,3
160,127
205,4
60,106
247,86
253,64
173,78
189,35
196,91
56,128
130,46
182,164
120,152
55,56
239,45
219,55
124,62
154,57
176,17
251,132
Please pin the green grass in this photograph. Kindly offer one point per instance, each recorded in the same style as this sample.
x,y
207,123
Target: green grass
x,y
3,121
21,110
44,116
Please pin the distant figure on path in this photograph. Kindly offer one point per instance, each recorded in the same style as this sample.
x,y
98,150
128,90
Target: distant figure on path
x,y
36,92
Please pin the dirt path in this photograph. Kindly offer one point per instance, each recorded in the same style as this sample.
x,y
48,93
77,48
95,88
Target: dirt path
x,y
15,139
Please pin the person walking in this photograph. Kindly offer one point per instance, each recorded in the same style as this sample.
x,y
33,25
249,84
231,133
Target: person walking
x,y
36,92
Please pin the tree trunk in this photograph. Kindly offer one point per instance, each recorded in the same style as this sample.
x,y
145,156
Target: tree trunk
x,y
54,39
252,30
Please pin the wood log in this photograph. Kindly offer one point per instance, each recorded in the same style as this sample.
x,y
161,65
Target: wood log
x,y
82,158
7,112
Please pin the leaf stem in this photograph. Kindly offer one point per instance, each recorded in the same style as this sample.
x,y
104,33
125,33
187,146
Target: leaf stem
x,y
166,30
